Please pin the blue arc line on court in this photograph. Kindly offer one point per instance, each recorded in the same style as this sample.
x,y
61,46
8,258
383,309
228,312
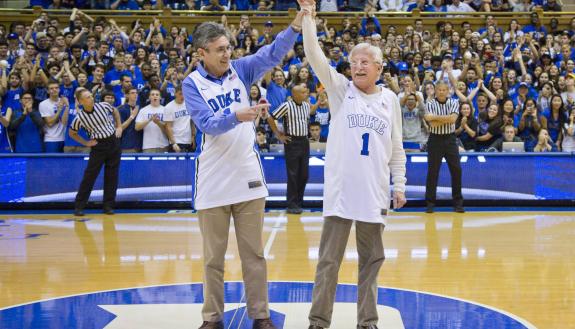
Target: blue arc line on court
x,y
98,310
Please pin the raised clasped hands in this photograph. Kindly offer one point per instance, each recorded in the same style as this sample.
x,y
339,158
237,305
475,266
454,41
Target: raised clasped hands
x,y
307,6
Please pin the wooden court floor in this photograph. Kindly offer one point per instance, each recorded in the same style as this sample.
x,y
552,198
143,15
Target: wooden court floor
x,y
522,263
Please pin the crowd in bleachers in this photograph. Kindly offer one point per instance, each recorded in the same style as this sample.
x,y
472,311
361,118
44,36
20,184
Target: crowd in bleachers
x,y
513,82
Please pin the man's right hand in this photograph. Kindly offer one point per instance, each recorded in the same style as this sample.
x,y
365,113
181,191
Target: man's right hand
x,y
91,143
251,113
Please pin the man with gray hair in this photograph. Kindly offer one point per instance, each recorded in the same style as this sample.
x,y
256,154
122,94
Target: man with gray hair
x,y
364,150
229,180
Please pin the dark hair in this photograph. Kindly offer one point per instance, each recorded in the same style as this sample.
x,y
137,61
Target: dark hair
x,y
315,123
259,96
208,32
342,66
106,93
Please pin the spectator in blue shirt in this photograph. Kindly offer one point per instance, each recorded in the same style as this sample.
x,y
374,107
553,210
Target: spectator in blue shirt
x,y
276,91
539,31
27,124
125,5
131,138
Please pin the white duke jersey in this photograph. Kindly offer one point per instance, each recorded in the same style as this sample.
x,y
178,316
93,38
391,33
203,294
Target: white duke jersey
x,y
181,122
228,168
364,149
359,150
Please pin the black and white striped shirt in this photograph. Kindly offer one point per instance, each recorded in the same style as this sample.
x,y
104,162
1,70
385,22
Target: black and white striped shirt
x,y
437,108
296,118
98,123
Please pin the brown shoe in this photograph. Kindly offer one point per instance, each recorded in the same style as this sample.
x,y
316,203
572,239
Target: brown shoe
x,y
212,325
263,324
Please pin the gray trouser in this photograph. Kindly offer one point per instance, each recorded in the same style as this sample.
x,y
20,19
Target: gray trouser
x,y
334,236
215,227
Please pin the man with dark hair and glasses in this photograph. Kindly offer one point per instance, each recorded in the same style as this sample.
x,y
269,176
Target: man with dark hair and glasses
x,y
229,177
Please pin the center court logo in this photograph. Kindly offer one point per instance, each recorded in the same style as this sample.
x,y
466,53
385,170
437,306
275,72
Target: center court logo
x,y
179,306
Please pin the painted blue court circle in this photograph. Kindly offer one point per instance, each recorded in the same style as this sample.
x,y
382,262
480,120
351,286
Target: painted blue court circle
x,y
124,308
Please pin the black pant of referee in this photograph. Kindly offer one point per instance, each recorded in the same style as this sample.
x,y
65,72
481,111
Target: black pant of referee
x,y
107,152
297,165
439,147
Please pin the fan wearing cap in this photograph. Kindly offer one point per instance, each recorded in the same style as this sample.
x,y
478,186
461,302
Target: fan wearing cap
x,y
568,95
267,35
446,67
522,94
14,44
545,59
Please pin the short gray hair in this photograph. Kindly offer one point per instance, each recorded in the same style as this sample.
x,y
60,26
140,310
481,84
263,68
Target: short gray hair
x,y
208,32
374,51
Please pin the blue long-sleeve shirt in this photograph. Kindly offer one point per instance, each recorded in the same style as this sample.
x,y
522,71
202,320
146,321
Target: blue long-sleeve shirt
x,y
249,70
364,31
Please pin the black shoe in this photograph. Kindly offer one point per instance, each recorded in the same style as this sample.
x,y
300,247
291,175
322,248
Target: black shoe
x,y
460,210
78,212
263,324
212,325
108,211
314,327
429,210
296,211
371,326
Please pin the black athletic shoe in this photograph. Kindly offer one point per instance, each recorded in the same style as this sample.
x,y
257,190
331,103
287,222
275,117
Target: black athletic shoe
x,y
212,325
429,210
78,212
295,211
263,324
108,211
315,327
371,326
460,210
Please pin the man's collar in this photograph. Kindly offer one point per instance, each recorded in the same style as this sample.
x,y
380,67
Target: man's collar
x,y
207,75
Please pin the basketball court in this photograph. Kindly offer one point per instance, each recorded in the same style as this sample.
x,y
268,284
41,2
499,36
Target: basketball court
x,y
485,269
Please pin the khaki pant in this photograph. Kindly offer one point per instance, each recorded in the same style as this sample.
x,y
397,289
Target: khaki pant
x,y
215,226
131,151
156,150
334,236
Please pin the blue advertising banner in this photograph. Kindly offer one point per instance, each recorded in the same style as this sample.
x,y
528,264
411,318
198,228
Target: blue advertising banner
x,y
169,177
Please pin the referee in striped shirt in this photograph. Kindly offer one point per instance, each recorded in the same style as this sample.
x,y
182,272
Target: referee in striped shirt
x,y
441,114
296,113
105,148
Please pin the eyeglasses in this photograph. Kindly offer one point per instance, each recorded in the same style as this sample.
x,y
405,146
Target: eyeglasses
x,y
222,50
362,63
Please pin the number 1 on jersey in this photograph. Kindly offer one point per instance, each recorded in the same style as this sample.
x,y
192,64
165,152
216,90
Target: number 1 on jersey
x,y
365,147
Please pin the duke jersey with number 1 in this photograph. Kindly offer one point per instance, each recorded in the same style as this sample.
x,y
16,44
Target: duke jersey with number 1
x,y
236,146
359,150
364,147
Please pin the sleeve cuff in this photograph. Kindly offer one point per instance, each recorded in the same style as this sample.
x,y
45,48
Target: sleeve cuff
x,y
232,120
